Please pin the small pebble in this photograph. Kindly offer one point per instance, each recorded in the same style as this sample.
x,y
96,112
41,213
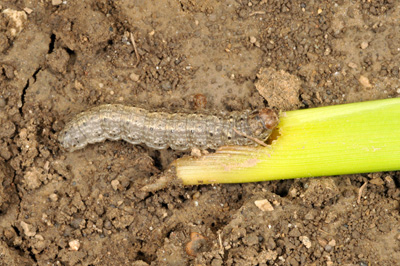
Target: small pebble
x,y
195,152
135,77
53,197
196,195
56,2
115,184
253,39
327,51
352,65
107,225
364,45
74,245
306,241
264,205
364,81
328,248
28,10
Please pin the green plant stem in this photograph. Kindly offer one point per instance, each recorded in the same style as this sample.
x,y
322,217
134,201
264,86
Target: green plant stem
x,y
335,140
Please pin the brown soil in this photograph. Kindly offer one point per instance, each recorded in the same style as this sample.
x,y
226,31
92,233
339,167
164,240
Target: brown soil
x,y
59,58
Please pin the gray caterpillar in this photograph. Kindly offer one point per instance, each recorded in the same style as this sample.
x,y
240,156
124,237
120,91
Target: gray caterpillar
x,y
160,130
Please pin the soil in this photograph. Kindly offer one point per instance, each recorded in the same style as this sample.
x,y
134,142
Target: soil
x,y
59,58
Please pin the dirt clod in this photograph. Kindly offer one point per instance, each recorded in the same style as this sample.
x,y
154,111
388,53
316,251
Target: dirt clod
x,y
7,189
320,192
58,61
15,21
28,229
279,88
198,244
199,101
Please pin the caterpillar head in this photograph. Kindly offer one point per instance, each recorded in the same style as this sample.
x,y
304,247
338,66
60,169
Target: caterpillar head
x,y
71,138
262,122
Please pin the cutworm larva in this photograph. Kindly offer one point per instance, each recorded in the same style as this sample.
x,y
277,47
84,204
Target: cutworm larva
x,y
160,130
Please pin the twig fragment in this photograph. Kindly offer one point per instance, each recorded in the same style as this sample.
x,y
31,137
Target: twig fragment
x,y
257,13
221,247
135,48
360,191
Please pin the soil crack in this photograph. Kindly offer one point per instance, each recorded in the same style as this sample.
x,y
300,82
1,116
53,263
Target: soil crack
x,y
26,88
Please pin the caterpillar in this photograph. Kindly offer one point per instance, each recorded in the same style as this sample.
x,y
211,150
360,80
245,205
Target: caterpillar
x,y
160,130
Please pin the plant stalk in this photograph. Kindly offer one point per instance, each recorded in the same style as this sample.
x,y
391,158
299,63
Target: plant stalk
x,y
335,140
